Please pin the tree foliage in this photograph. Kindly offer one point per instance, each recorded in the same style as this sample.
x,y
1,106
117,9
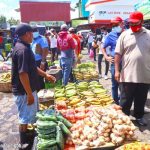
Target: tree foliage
x,y
13,21
2,19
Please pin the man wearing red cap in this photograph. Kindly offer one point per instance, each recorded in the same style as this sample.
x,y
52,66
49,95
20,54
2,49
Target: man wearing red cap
x,y
111,39
133,49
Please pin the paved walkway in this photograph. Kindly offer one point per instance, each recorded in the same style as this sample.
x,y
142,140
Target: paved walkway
x,y
9,136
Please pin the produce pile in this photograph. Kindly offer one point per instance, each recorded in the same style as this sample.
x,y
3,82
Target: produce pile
x,y
52,129
81,94
86,72
97,126
135,146
5,77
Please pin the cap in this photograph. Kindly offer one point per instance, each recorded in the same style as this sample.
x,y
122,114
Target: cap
x,y
64,27
71,29
52,30
135,17
116,20
22,29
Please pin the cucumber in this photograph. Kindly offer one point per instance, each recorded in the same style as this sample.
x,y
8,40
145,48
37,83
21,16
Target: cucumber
x,y
65,121
59,138
64,129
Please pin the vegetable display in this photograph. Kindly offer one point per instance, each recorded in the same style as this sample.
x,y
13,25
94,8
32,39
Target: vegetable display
x,y
51,129
96,126
85,71
81,94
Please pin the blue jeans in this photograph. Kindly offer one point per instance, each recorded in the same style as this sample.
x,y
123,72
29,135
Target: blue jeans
x,y
115,85
66,65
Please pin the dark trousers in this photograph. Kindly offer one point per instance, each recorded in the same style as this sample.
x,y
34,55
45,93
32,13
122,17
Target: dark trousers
x,y
54,54
100,58
94,51
137,93
41,84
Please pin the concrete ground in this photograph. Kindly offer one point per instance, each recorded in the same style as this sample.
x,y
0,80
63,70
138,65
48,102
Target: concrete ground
x,y
9,136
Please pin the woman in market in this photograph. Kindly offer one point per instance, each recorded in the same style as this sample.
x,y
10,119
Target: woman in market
x,y
25,82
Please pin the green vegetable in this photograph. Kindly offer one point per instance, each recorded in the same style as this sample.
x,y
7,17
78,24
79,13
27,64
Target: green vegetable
x,y
60,138
45,144
45,124
46,131
47,136
64,120
65,130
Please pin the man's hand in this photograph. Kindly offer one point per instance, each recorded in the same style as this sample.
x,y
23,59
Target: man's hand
x,y
117,76
50,78
30,99
110,59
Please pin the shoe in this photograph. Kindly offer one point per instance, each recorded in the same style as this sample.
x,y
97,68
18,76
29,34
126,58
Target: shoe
x,y
141,122
146,109
105,77
100,76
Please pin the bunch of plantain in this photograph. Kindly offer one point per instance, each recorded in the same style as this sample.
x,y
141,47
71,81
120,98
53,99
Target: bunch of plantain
x,y
5,77
61,99
74,100
78,76
42,107
71,92
60,93
99,91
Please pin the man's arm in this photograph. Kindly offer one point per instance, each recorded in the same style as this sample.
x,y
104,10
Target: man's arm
x,y
46,76
24,78
108,58
117,66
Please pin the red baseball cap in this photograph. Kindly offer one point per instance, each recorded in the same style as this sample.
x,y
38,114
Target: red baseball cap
x,y
135,17
116,20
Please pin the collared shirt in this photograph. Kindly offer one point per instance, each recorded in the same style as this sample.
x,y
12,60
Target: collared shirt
x,y
135,51
111,41
42,41
23,61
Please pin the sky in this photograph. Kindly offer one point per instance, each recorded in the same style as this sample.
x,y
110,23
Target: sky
x,y
7,8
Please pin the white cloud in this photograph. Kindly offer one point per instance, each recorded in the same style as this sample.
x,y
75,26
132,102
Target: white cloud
x,y
2,5
8,12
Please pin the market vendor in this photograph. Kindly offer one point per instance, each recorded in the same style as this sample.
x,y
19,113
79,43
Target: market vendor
x,y
25,81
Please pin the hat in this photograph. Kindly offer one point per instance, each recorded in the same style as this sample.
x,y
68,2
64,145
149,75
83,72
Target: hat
x,y
116,20
71,29
22,29
135,17
52,30
64,27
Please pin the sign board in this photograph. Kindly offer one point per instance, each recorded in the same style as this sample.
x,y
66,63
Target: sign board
x,y
107,13
47,23
144,7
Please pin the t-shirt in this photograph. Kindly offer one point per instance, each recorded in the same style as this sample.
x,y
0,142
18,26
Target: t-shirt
x,y
23,61
111,41
53,41
135,51
42,41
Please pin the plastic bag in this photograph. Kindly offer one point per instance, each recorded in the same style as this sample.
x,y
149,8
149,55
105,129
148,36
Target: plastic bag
x,y
91,53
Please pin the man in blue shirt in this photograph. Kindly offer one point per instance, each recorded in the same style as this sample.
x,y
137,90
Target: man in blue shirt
x,y
111,40
40,50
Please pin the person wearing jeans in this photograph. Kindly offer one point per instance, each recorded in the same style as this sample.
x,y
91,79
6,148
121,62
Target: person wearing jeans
x,y
66,45
110,41
66,65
